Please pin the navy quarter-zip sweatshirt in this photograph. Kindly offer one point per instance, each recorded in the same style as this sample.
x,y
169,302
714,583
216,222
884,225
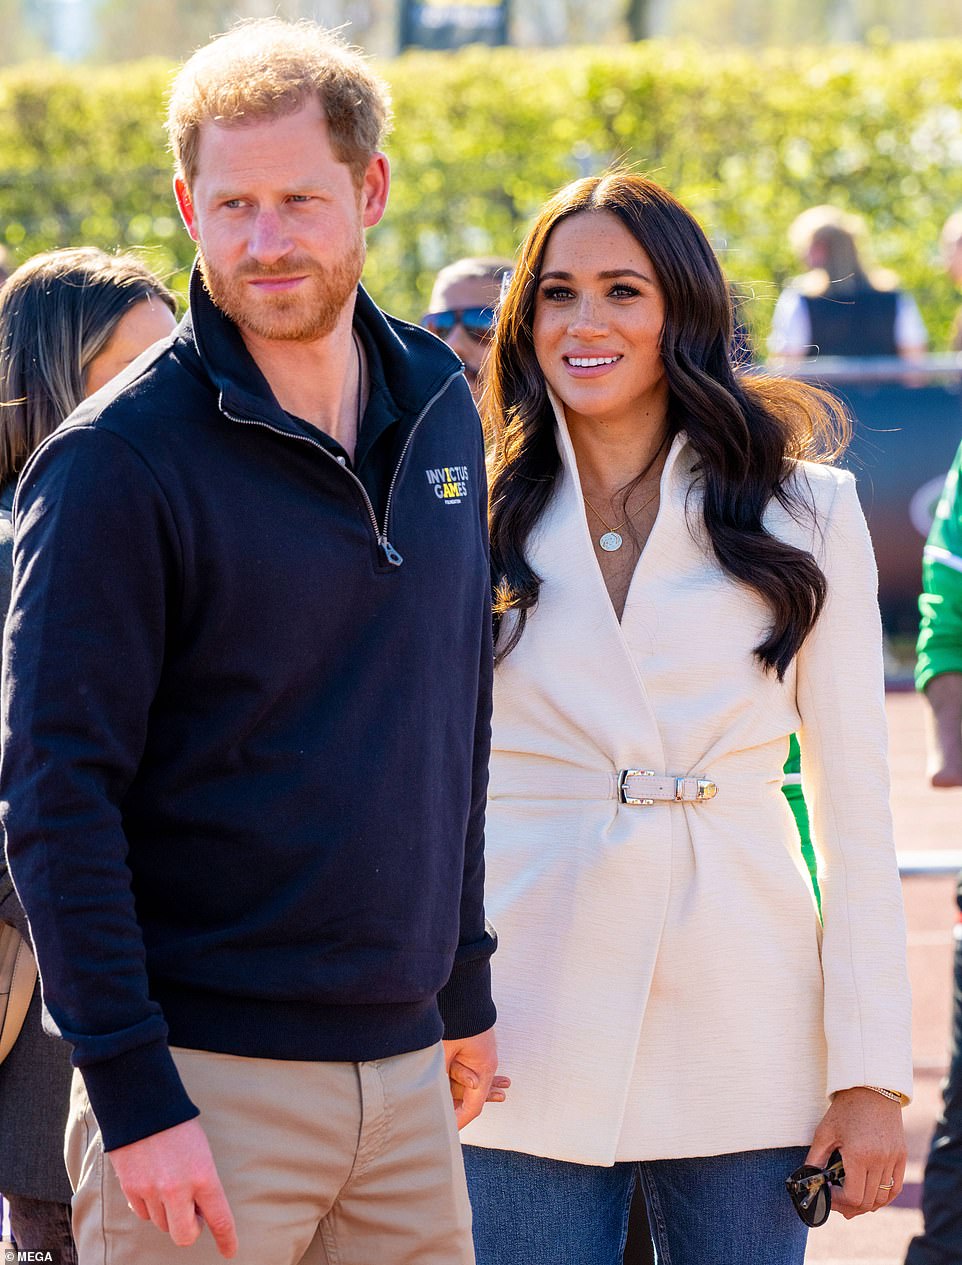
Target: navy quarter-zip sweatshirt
x,y
246,705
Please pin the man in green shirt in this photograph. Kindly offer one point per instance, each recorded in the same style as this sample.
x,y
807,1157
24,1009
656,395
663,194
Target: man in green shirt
x,y
939,676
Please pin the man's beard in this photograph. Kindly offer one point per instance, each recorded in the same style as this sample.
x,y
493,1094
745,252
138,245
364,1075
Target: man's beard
x,y
309,312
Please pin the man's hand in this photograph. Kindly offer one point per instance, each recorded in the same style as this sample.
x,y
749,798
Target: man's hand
x,y
170,1179
867,1129
472,1063
944,697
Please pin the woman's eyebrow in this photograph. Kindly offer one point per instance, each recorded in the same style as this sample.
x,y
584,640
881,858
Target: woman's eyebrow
x,y
559,275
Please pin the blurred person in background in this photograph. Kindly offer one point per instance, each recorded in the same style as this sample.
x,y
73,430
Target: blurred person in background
x,y
464,300
681,583
69,321
938,676
952,258
838,308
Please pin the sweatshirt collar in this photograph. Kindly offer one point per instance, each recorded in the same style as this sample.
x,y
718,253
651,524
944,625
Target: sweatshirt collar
x,y
411,363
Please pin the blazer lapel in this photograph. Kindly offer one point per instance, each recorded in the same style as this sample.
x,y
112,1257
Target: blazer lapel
x,y
575,623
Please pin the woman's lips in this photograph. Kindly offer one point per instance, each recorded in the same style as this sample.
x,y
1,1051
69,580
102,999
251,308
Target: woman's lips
x,y
590,366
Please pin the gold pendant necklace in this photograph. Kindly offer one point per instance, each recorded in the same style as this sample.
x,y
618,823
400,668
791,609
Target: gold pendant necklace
x,y
612,540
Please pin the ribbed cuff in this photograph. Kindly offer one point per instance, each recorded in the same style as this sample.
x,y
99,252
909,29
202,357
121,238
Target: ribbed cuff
x,y
465,1001
137,1094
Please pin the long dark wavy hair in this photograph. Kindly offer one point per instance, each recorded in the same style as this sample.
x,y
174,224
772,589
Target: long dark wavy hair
x,y
745,429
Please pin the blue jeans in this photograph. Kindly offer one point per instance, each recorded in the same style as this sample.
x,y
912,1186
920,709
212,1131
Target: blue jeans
x,y
722,1210
941,1241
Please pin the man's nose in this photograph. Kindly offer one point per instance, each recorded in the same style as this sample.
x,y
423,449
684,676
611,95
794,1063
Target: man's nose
x,y
269,240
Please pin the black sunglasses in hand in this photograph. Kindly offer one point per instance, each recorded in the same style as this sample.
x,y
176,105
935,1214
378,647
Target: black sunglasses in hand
x,y
811,1189
475,321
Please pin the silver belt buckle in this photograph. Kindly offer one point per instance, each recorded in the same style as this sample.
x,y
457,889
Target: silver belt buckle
x,y
623,796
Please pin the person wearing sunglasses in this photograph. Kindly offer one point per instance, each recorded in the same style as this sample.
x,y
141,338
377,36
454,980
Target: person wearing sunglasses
x,y
464,299
682,580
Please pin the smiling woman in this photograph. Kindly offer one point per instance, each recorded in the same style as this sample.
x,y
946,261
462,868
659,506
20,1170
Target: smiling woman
x,y
681,583
597,337
597,329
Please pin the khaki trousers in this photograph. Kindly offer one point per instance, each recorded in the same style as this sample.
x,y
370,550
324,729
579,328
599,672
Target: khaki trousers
x,y
322,1164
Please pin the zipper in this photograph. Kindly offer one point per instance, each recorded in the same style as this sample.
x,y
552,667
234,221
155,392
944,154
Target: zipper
x,y
397,559
384,544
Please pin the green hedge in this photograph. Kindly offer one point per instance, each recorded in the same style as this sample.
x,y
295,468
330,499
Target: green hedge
x,y
747,139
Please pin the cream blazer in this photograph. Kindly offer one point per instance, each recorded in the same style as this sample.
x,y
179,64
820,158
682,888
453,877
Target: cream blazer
x,y
663,983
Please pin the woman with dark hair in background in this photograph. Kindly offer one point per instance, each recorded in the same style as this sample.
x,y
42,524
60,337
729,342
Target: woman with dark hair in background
x,y
680,585
69,321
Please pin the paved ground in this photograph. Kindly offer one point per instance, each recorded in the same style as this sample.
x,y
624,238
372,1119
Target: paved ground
x,y
924,819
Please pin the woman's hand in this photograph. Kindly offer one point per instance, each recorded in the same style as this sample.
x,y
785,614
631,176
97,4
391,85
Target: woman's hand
x,y
867,1129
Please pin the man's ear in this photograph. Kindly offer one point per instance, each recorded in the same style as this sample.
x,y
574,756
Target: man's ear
x,y
374,190
185,206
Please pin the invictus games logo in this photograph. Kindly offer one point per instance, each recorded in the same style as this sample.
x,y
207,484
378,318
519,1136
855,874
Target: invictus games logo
x,y
450,483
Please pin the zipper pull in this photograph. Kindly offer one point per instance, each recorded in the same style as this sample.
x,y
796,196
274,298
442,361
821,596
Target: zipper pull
x,y
390,552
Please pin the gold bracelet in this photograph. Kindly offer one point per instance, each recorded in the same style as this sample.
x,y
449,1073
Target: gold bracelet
x,y
891,1094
